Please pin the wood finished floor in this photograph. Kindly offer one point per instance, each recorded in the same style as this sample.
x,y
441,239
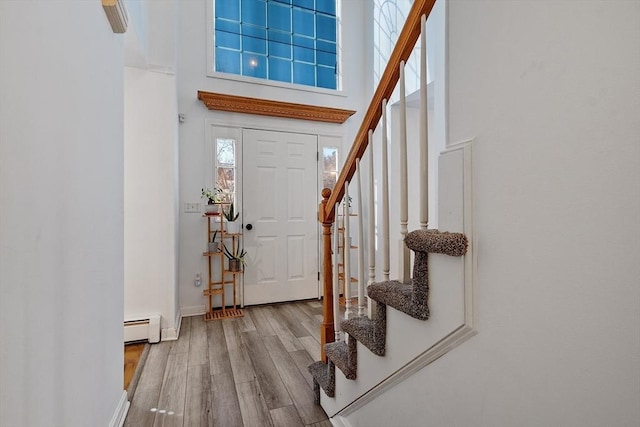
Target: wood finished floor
x,y
248,371
132,354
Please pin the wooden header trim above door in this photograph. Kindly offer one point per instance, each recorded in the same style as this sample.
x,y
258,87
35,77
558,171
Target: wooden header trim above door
x,y
265,107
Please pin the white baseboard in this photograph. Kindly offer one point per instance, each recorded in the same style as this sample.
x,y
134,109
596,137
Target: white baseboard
x,y
119,415
169,334
339,421
194,310
172,334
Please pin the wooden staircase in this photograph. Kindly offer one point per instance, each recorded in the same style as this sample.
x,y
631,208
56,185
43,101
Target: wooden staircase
x,y
409,298
409,294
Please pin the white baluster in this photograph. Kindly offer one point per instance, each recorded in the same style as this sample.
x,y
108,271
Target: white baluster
x,y
336,282
424,130
361,276
347,255
372,226
385,195
404,197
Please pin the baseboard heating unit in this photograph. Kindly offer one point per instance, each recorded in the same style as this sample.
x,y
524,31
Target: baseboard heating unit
x,y
141,329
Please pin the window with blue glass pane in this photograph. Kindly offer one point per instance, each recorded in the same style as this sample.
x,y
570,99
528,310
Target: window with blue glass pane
x,y
304,49
307,4
227,61
293,41
254,65
254,12
326,27
254,39
279,44
279,17
304,74
326,6
228,9
227,34
304,22
326,77
279,69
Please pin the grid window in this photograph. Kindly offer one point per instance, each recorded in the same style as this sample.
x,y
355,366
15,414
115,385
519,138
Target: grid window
x,y
226,168
293,41
329,167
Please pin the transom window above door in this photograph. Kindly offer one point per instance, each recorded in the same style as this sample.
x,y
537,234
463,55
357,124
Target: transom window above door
x,y
290,41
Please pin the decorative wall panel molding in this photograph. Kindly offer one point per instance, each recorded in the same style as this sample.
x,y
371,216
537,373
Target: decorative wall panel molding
x,y
455,174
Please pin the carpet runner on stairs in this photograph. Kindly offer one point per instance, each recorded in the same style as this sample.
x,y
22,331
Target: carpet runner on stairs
x,y
410,298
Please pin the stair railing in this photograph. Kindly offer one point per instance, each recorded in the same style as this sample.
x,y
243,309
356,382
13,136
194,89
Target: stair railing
x,y
394,71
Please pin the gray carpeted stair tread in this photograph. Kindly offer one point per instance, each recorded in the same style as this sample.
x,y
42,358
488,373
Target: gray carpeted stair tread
x,y
338,353
323,376
361,328
437,242
399,296
389,291
368,332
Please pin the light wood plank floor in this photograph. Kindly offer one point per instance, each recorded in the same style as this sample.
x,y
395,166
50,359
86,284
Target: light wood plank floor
x,y
248,371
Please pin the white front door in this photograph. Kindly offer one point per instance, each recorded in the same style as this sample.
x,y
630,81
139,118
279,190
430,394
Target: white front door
x,y
280,216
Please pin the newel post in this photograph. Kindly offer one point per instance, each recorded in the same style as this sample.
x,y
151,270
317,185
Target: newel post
x,y
327,332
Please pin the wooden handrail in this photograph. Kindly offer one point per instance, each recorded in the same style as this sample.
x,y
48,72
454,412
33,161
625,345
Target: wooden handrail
x,y
401,52
326,210
327,329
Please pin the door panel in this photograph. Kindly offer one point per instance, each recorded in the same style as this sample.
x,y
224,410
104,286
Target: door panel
x,y
280,202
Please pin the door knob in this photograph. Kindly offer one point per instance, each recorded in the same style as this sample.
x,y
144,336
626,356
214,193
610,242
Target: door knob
x,y
248,226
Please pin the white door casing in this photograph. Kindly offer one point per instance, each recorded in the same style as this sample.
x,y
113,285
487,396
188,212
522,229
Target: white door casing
x,y
280,201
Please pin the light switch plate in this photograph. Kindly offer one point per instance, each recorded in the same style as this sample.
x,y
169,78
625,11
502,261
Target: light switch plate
x,y
192,207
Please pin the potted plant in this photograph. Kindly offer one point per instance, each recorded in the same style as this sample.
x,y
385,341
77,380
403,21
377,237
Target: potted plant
x,y
233,225
212,245
213,198
236,258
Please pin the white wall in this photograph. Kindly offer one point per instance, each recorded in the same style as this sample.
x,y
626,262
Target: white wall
x,y
135,39
551,93
150,190
61,214
192,76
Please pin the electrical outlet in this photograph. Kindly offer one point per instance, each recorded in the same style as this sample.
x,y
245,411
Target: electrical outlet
x,y
197,281
192,207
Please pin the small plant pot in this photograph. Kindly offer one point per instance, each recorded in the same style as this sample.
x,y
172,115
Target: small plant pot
x,y
212,208
235,265
214,246
233,227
